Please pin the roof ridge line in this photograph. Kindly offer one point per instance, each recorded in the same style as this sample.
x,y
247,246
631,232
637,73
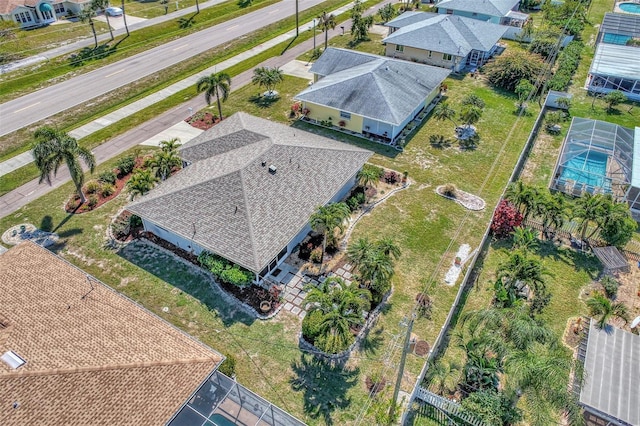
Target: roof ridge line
x,y
254,254
95,368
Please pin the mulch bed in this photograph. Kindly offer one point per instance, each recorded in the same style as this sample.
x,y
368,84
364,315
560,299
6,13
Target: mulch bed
x,y
74,206
422,348
252,294
202,120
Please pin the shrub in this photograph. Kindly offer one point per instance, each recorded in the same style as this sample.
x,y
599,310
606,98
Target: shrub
x,y
107,190
212,262
610,286
316,255
311,325
370,192
567,65
355,201
505,219
92,187
236,276
135,221
107,177
92,201
424,304
512,66
228,366
449,190
391,177
126,165
375,383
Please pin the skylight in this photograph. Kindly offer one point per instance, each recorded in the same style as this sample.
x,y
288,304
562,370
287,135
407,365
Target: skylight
x,y
12,359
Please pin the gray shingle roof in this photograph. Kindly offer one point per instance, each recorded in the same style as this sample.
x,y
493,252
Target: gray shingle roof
x,y
621,23
382,88
485,7
455,35
334,60
230,204
408,18
612,370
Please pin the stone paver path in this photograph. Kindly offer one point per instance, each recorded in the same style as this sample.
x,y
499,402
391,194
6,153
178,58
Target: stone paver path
x,y
293,281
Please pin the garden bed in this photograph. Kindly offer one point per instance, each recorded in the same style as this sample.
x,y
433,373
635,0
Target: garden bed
x,y
466,200
202,120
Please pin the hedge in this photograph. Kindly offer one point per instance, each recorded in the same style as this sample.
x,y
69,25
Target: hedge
x,y
224,270
567,66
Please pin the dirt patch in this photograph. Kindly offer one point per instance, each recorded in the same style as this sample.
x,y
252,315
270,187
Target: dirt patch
x,y
543,146
629,291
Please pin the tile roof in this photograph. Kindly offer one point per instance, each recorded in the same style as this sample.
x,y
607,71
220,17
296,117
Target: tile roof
x,y
93,357
612,371
621,23
383,89
484,7
455,35
227,202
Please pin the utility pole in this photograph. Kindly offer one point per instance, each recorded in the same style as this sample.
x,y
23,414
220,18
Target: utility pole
x,y
314,34
403,359
297,30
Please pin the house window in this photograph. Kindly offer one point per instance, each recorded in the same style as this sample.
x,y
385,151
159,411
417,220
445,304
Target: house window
x,y
430,52
474,14
449,12
345,115
446,56
399,48
58,7
23,17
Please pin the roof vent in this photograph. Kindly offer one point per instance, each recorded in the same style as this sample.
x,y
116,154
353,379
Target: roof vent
x,y
264,163
12,359
272,169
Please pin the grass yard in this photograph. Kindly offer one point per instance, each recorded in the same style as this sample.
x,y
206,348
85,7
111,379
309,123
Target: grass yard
x,y
427,227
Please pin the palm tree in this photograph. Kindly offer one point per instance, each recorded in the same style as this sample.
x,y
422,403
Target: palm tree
x,y
87,15
524,239
443,376
267,77
102,5
326,219
588,208
519,267
443,111
470,114
358,251
387,12
163,162
124,17
552,209
369,176
611,212
474,100
606,310
54,147
215,85
387,246
523,196
325,23
164,3
171,145
141,182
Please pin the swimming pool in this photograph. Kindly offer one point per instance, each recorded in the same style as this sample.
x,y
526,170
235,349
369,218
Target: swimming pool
x,y
630,7
589,168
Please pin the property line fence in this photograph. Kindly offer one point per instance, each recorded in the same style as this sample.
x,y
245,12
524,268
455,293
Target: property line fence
x,y
446,410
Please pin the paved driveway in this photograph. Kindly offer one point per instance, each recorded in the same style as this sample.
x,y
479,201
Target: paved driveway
x,y
117,22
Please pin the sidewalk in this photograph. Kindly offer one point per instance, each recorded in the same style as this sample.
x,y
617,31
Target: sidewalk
x,y
88,42
30,191
128,110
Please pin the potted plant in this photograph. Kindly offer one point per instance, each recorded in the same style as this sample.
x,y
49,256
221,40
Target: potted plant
x,y
342,123
458,261
265,306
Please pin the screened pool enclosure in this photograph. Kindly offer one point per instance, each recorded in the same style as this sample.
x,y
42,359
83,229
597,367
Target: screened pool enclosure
x,y
598,157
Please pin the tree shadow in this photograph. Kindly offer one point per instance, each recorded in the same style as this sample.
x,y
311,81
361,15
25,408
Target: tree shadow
x,y
87,54
580,261
65,220
263,101
244,3
187,278
325,386
46,224
372,341
187,22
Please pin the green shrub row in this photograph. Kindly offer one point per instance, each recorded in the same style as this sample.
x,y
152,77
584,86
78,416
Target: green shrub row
x,y
224,270
567,65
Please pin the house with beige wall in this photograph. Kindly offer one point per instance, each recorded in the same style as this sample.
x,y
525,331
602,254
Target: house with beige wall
x,y
452,42
369,94
38,13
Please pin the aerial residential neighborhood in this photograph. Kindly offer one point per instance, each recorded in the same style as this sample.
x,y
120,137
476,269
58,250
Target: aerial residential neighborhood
x,y
290,212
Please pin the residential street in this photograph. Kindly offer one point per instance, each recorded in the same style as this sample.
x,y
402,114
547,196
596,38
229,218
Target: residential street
x,y
39,105
32,190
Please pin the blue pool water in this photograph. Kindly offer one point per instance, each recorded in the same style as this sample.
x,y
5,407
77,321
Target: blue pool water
x,y
589,168
630,7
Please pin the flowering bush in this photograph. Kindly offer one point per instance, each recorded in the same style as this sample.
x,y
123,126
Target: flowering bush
x,y
505,219
391,177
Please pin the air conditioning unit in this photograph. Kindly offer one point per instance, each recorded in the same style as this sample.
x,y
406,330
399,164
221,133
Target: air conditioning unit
x,y
272,169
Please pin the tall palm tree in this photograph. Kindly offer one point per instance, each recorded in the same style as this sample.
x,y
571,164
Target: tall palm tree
x,y
267,77
54,147
443,111
588,208
611,212
163,163
124,17
141,182
523,196
326,219
470,114
218,85
519,267
605,309
87,15
325,23
97,5
369,176
552,209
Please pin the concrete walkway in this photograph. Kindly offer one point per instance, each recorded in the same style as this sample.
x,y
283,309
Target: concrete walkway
x,y
128,110
32,190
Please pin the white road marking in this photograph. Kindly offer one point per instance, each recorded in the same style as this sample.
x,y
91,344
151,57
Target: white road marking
x,y
273,11
114,73
180,47
235,26
27,107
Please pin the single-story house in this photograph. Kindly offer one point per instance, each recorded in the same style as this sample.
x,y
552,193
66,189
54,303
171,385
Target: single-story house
x,y
369,94
247,190
503,12
452,42
600,157
615,67
610,394
75,352
36,13
619,28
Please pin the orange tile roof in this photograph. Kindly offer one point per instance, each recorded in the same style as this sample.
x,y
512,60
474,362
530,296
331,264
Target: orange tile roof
x,y
101,359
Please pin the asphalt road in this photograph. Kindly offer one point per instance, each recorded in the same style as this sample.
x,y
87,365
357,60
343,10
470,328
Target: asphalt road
x,y
44,103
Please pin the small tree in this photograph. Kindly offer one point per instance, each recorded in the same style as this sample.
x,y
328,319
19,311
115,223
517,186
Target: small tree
x,y
141,182
523,89
218,85
387,12
508,69
610,286
605,310
267,77
505,219
443,111
614,98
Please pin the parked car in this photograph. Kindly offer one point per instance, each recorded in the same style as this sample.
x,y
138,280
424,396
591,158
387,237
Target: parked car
x,y
113,11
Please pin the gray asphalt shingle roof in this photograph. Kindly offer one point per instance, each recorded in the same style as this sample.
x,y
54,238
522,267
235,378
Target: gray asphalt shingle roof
x,y
381,88
450,34
612,372
228,203
621,23
408,18
485,7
